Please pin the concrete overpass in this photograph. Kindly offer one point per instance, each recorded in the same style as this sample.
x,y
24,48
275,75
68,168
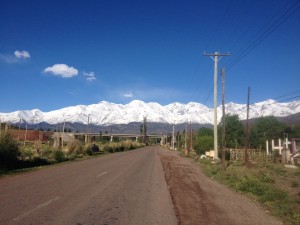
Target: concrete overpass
x,y
60,137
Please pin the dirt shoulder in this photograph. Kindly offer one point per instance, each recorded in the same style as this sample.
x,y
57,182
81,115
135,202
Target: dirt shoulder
x,y
200,200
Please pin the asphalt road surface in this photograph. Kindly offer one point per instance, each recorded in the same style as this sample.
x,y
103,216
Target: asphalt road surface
x,y
121,188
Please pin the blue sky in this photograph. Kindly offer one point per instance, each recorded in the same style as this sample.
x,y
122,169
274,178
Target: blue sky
x,y
55,54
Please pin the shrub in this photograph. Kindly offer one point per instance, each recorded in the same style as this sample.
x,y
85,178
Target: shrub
x,y
38,161
27,152
59,156
294,184
9,151
74,146
95,148
108,148
91,149
47,151
37,146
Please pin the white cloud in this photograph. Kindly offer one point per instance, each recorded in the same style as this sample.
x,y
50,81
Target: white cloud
x,y
128,95
18,57
22,54
89,76
62,70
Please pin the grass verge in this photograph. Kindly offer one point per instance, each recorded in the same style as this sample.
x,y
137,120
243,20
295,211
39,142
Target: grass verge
x,y
261,182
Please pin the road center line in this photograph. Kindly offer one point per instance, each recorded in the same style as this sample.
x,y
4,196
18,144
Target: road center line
x,y
36,208
101,174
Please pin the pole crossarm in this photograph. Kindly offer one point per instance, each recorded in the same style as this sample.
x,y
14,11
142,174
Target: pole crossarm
x,y
216,54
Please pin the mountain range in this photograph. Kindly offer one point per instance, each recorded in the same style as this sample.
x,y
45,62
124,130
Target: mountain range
x,y
107,114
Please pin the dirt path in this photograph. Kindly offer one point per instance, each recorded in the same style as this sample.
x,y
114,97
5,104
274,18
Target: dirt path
x,y
200,200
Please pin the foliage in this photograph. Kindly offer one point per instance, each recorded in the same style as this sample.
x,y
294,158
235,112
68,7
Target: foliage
x,y
293,131
91,149
234,131
258,183
266,128
203,143
204,131
27,152
74,146
294,184
47,151
9,151
121,146
59,156
204,140
36,161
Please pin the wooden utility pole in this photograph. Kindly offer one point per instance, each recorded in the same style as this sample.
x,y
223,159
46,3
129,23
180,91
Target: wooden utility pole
x,y
87,129
223,118
19,129
247,129
216,57
185,134
25,139
173,138
63,133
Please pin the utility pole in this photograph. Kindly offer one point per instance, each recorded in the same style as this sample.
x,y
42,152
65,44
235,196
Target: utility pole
x,y
145,129
173,138
185,134
216,57
223,118
25,139
63,133
19,129
191,134
247,129
87,128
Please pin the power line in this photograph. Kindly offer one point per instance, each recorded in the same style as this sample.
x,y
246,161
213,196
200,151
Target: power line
x,y
248,8
281,101
261,30
285,95
274,26
219,25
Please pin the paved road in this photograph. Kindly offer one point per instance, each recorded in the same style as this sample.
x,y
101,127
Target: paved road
x,y
121,188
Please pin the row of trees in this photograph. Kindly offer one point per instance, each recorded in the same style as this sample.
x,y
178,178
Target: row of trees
x,y
264,128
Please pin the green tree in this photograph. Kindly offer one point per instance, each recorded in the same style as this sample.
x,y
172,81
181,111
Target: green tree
x,y
234,131
204,140
204,131
9,151
293,131
266,128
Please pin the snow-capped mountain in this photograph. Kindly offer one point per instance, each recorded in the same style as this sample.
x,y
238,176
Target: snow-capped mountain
x,y
106,113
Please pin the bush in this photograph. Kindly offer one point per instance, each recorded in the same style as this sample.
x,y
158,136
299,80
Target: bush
x,y
74,147
294,184
47,151
9,151
27,152
59,156
91,149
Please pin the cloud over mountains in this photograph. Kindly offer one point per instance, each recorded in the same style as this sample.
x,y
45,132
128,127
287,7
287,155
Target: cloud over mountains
x,y
62,70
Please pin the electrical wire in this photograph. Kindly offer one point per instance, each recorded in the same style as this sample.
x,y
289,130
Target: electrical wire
x,y
273,27
220,22
285,95
264,34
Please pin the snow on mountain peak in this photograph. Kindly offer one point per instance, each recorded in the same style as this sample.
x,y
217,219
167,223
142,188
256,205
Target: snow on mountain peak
x,y
106,113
